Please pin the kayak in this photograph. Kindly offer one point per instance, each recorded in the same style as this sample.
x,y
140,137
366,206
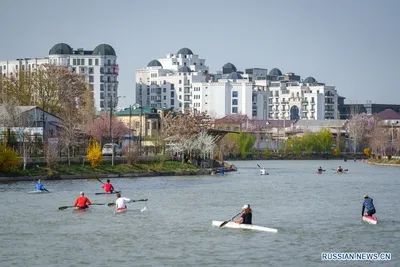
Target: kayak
x,y
244,226
120,211
319,172
370,219
38,192
80,210
104,193
263,172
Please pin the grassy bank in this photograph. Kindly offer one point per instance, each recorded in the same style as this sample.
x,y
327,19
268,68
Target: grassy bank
x,y
392,162
63,169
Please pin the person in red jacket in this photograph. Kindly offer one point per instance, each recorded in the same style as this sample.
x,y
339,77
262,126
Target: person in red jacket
x,y
82,202
108,188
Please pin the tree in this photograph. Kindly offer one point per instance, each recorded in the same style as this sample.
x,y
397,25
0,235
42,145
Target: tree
x,y
185,125
99,128
9,160
94,154
245,143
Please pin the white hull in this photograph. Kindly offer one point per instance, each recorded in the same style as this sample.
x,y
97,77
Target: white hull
x,y
38,192
263,172
370,219
244,226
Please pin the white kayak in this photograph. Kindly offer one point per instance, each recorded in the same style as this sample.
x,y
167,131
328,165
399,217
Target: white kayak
x,y
38,192
263,172
370,219
244,226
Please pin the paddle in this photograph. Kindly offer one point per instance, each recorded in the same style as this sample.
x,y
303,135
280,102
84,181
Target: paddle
x,y
343,170
225,222
66,207
44,189
113,204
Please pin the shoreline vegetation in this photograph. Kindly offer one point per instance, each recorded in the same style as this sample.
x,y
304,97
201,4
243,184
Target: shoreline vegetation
x,y
384,162
78,171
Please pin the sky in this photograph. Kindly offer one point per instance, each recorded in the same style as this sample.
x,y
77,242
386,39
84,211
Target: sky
x,y
352,45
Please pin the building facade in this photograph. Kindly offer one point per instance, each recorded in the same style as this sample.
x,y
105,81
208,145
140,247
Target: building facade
x,y
99,66
182,81
347,110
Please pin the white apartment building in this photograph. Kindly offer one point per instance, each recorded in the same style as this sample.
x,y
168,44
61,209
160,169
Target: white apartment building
x,y
182,80
99,67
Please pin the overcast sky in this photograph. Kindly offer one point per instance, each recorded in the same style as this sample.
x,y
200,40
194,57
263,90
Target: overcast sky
x,y
353,45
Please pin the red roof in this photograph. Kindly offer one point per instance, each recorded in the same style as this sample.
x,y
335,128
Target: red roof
x,y
388,114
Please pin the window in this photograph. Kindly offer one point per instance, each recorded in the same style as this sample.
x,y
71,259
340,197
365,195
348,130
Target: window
x,y
101,70
165,97
180,89
234,94
172,102
102,104
91,71
82,61
101,87
90,62
180,97
91,78
91,86
180,105
101,78
73,69
234,102
180,81
164,90
109,61
312,99
172,94
96,61
74,61
101,95
234,110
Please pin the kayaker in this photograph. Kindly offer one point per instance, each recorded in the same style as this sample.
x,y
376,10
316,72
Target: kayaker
x,y
39,186
120,202
320,169
369,205
108,187
246,215
340,169
82,202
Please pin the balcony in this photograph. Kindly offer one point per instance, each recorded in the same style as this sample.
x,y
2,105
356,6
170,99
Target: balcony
x,y
110,64
304,101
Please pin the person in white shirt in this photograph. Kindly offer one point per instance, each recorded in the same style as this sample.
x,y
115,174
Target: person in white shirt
x,y
120,202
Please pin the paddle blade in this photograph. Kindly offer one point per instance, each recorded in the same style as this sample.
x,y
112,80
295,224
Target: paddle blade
x,y
222,224
111,204
258,166
346,170
98,204
139,200
65,207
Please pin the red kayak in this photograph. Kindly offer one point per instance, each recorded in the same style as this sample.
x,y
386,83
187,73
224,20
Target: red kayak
x,y
370,219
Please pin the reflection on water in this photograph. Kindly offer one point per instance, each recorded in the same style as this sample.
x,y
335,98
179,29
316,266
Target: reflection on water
x,y
313,213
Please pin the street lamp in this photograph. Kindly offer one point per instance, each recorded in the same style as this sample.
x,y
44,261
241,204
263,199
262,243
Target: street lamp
x,y
136,106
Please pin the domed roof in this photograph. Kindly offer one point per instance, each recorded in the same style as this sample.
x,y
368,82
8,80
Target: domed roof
x,y
228,68
104,50
234,76
185,69
309,80
275,72
60,49
154,63
185,51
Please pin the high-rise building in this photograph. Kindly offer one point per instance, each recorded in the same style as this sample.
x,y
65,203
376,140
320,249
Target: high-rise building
x,y
182,80
99,67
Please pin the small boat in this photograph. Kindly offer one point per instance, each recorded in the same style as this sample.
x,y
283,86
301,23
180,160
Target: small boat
x,y
263,172
370,219
244,226
319,172
104,193
118,211
76,209
38,192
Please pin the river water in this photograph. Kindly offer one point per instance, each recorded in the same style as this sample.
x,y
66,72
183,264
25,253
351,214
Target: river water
x,y
313,213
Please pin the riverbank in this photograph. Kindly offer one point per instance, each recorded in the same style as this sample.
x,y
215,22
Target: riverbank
x,y
384,162
78,171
